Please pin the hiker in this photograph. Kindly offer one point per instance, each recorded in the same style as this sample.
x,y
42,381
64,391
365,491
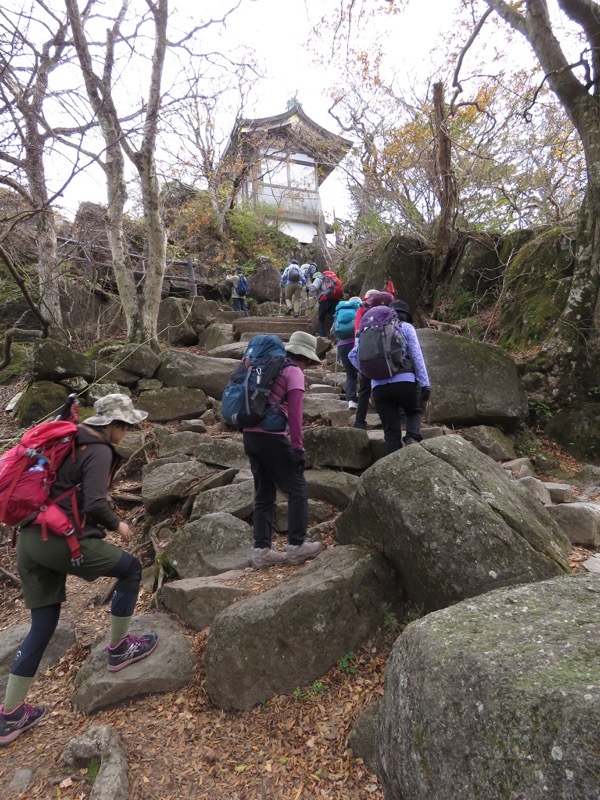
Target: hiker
x,y
277,461
309,270
239,291
343,331
398,393
44,565
329,290
292,281
364,383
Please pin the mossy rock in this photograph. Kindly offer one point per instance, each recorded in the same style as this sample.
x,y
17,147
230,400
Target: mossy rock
x,y
95,349
42,400
536,288
403,259
577,431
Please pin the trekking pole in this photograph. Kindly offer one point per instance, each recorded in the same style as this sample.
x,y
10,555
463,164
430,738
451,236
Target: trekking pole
x,y
69,410
280,301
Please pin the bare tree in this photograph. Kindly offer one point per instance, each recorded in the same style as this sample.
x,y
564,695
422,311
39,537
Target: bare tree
x,y
575,83
25,70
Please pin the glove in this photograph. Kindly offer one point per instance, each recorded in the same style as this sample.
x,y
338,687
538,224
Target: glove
x,y
299,457
425,393
75,550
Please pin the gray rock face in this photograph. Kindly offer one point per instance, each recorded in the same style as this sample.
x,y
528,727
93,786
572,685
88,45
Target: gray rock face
x,y
236,499
12,638
363,737
177,402
198,600
331,410
174,322
178,368
53,361
215,335
41,400
211,545
170,667
292,634
347,448
497,698
223,453
537,489
103,744
233,350
452,523
472,383
317,512
579,521
169,483
490,441
138,359
331,486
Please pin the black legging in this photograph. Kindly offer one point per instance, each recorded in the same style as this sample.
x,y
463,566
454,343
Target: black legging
x,y
45,619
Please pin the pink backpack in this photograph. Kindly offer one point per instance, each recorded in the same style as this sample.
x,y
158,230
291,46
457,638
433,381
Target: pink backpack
x,y
27,473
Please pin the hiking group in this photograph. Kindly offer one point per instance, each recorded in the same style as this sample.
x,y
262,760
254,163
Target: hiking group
x,y
54,483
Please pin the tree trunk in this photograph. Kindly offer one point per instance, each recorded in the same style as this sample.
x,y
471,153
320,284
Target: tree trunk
x,y
447,186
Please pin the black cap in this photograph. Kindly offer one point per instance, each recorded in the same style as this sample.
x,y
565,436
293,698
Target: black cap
x,y
400,307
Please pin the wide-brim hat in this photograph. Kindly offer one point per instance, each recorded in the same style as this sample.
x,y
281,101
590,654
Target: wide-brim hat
x,y
303,344
400,305
115,408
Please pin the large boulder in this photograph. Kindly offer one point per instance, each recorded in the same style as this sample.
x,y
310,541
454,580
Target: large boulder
x,y
42,400
497,698
174,322
347,448
264,282
176,402
332,486
471,383
291,635
139,359
218,542
178,368
53,361
168,483
452,523
198,600
236,499
579,521
169,668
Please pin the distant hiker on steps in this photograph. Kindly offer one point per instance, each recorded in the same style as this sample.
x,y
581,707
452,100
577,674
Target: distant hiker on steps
x,y
239,291
292,281
44,565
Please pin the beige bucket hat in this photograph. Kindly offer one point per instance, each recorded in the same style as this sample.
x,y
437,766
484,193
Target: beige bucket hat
x,y
115,408
303,344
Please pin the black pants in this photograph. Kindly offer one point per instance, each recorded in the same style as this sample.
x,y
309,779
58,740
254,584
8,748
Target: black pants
x,y
392,401
44,619
326,307
364,395
351,371
273,467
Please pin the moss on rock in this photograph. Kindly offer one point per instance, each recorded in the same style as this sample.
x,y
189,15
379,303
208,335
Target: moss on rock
x,y
41,400
536,288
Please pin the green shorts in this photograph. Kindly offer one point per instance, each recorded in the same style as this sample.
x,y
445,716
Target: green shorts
x,y
44,566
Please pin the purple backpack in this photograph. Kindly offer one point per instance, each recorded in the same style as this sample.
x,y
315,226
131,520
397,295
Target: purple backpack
x,y
381,346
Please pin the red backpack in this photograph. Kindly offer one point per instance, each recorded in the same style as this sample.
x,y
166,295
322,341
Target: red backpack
x,y
27,473
333,289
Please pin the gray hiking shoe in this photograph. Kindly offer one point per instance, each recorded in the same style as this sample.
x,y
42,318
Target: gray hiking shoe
x,y
299,553
263,557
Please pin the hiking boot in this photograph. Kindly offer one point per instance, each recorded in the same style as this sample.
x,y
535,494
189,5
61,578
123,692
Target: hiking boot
x,y
409,440
289,311
129,650
18,720
263,557
362,425
299,553
352,404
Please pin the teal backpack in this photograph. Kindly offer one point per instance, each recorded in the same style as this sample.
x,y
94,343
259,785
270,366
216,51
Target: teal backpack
x,y
343,321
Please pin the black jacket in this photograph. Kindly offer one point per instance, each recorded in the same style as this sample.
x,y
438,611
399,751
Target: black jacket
x,y
91,472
